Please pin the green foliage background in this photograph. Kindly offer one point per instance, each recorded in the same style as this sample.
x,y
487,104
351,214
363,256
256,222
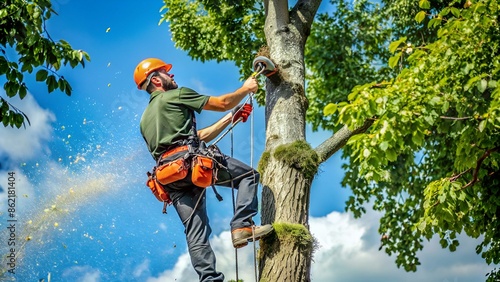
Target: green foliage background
x,y
22,28
430,161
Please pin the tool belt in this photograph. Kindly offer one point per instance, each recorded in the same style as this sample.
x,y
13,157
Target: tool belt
x,y
167,172
204,163
174,170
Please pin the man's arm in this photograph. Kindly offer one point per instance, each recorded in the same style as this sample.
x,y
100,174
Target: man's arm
x,y
209,133
228,101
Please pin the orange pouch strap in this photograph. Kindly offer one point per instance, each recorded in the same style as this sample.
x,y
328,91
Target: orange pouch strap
x,y
172,171
157,190
203,171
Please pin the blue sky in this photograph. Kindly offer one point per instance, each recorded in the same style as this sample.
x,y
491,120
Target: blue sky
x,y
83,211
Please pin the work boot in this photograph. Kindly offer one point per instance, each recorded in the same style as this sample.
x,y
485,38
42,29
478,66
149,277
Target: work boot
x,y
241,236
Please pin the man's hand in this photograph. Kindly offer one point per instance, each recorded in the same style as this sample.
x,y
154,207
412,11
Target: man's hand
x,y
250,85
242,112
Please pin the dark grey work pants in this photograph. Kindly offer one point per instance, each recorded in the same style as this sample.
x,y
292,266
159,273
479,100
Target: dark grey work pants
x,y
185,197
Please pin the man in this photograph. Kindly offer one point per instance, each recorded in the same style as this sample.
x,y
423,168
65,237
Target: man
x,y
167,125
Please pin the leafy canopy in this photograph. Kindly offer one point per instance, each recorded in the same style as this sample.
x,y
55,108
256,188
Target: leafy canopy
x,y
217,30
22,28
430,161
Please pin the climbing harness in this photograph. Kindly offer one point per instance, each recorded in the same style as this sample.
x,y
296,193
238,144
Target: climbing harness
x,y
203,161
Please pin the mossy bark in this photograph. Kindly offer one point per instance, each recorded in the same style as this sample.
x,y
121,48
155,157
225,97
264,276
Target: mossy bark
x,y
286,184
285,198
285,260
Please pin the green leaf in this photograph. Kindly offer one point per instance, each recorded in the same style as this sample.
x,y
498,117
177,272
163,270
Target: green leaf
x,y
480,8
79,55
422,225
482,125
455,12
330,109
61,84
366,153
393,61
51,83
442,198
435,100
5,120
482,85
73,63
384,145
41,75
470,82
452,248
424,4
420,16
67,88
462,195
444,12
3,13
444,243
22,91
27,68
434,22
18,120
11,88
446,106
395,45
391,155
417,138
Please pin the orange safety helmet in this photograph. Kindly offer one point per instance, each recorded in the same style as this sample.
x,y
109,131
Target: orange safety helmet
x,y
146,67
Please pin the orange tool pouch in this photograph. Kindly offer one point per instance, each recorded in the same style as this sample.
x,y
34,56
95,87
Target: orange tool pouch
x,y
203,171
173,170
165,174
157,189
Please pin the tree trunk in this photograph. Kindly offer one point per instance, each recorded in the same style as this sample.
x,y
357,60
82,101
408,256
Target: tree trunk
x,y
286,178
286,191
285,198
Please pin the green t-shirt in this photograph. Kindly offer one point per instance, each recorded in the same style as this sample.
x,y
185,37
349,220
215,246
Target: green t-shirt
x,y
167,118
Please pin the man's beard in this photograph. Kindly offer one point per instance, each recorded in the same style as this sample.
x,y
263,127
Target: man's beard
x,y
168,85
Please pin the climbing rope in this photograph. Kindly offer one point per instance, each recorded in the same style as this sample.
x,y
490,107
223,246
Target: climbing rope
x,y
233,123
250,100
251,165
232,193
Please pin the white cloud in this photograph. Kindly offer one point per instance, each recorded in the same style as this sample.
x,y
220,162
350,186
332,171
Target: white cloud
x,y
349,252
182,271
22,144
82,274
141,269
224,251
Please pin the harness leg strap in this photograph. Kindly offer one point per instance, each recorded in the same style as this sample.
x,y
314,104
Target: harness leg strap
x,y
217,195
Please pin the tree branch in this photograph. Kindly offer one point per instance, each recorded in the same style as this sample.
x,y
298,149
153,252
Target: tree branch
x,y
303,14
277,16
331,145
478,166
455,118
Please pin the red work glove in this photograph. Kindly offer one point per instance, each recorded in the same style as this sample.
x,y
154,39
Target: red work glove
x,y
242,111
